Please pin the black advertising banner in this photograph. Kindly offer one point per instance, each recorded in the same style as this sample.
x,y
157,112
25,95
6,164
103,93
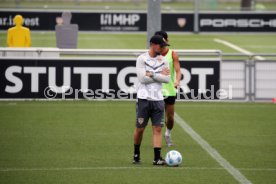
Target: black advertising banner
x,y
128,22
237,22
98,21
95,79
34,78
112,21
201,80
33,20
178,22
46,21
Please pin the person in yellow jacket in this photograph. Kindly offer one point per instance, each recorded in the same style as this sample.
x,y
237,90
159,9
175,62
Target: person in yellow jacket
x,y
18,36
170,89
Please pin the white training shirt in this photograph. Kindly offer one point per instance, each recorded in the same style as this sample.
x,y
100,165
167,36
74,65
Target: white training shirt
x,y
150,88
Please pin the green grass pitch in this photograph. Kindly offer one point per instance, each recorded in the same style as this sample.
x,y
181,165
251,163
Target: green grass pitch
x,y
133,5
91,142
256,43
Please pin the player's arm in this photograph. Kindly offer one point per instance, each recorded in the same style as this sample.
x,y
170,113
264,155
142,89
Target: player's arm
x,y
177,69
163,77
143,76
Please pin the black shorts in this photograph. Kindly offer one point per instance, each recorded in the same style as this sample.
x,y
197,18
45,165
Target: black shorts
x,y
170,100
146,110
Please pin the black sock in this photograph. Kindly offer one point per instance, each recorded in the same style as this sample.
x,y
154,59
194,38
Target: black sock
x,y
157,153
137,150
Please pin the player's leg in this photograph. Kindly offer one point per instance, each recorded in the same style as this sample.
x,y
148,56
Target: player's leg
x,y
138,136
169,116
157,118
157,145
169,123
142,116
169,110
157,136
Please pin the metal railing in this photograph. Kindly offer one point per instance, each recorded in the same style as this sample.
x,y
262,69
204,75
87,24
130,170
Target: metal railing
x,y
101,52
42,52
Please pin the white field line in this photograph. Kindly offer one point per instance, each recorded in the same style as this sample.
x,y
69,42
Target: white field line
x,y
261,46
212,152
237,48
124,168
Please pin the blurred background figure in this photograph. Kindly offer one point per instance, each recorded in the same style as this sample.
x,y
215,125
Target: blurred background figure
x,y
18,36
66,33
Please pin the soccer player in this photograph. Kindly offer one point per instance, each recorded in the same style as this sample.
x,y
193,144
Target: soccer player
x,y
170,89
152,70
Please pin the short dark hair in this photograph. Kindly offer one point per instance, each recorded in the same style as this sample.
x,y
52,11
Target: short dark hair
x,y
159,40
163,34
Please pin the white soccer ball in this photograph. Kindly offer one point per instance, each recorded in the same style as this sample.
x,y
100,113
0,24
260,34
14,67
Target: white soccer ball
x,y
173,158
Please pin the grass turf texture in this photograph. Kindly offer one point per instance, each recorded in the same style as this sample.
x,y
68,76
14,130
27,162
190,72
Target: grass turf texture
x,y
95,138
141,5
256,43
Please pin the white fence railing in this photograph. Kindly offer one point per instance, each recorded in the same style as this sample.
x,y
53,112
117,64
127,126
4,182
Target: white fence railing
x,y
55,52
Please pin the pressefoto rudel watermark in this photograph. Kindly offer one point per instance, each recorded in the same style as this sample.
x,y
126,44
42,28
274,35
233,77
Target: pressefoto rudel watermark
x,y
51,92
